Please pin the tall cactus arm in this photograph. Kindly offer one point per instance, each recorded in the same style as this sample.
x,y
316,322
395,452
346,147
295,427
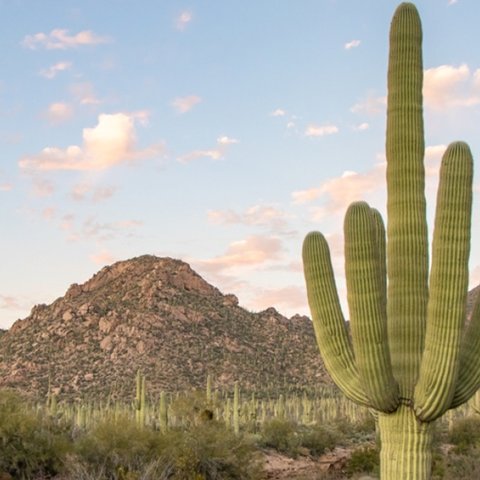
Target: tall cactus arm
x,y
328,320
382,254
468,381
448,284
366,302
407,246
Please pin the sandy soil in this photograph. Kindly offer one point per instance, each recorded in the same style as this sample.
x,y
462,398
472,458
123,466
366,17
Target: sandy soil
x,y
281,467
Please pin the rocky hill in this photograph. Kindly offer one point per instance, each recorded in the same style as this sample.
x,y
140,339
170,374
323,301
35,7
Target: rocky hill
x,y
158,316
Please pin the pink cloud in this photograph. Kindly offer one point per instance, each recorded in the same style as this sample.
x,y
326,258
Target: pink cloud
x,y
253,251
54,70
111,142
60,39
448,86
185,104
59,112
182,21
102,258
320,130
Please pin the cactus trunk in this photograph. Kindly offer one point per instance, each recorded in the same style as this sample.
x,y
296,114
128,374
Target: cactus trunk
x,y
411,357
406,445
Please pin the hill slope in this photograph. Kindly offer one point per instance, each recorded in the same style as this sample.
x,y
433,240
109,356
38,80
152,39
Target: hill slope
x,y
159,316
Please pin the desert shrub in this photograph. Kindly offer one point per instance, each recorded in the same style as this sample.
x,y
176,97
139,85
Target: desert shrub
x,y
208,451
116,448
32,443
465,434
363,460
458,466
282,435
319,438
192,408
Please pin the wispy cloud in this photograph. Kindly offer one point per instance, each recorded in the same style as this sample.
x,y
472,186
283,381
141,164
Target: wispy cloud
x,y
182,21
111,142
60,39
104,257
86,191
337,193
42,187
251,252
291,298
59,112
448,86
54,70
6,187
352,44
223,142
278,113
84,94
452,2
361,127
185,104
93,229
320,130
258,215
8,302
372,105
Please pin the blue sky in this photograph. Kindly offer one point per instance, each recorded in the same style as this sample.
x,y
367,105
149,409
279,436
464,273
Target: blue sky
x,y
216,132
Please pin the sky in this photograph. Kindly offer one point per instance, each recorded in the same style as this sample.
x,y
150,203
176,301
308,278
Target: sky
x,y
216,132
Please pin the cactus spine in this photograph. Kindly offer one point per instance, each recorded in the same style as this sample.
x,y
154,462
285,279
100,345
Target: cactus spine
x,y
411,358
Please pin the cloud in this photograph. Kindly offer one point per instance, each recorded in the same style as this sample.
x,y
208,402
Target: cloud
x,y
60,39
111,142
371,105
258,215
448,86
92,229
59,112
218,153
361,127
341,191
224,140
6,187
51,72
352,44
185,104
84,94
214,154
85,191
320,130
102,258
8,302
278,113
251,252
182,21
452,2
293,298
43,187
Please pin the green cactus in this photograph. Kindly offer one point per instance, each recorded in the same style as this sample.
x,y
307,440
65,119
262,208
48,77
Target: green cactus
x,y
411,357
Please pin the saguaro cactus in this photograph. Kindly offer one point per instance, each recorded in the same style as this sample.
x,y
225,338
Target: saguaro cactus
x,y
412,355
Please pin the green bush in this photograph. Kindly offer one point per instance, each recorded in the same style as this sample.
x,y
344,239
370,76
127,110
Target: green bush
x,y
319,438
116,448
32,444
465,434
282,435
208,451
363,460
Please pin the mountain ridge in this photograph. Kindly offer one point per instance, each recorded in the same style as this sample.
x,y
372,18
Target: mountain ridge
x,y
157,315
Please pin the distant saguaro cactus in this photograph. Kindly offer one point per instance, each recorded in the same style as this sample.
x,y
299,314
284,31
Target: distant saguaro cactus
x,y
412,356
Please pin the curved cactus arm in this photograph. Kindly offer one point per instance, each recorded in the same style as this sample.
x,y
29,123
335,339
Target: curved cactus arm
x,y
448,284
407,245
382,254
468,381
368,318
328,320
